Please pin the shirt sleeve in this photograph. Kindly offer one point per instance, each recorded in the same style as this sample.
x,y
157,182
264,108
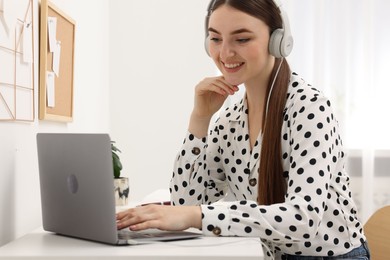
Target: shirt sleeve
x,y
198,176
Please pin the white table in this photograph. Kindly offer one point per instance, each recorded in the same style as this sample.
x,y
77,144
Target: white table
x,y
44,245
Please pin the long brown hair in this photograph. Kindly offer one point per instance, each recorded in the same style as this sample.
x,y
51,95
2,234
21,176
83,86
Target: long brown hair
x,y
271,184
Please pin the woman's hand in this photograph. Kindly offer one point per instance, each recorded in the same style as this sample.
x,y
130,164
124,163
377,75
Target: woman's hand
x,y
210,94
172,218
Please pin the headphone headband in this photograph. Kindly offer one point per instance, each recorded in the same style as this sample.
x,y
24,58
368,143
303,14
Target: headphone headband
x,y
210,8
281,41
278,3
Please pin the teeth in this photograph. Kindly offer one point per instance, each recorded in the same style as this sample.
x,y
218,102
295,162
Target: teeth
x,y
232,66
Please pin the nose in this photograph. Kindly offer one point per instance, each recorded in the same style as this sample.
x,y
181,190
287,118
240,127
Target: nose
x,y
226,51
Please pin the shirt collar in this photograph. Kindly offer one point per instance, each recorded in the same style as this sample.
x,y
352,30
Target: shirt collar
x,y
238,110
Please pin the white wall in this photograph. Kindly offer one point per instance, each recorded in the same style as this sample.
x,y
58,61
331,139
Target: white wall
x,y
19,186
157,58
142,57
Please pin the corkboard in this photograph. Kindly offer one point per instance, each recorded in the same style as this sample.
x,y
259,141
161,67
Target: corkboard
x,y
65,33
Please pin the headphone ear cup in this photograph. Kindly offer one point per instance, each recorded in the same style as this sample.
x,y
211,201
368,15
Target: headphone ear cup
x,y
286,45
275,42
206,44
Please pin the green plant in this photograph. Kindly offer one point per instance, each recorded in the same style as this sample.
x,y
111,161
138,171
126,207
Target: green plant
x,y
116,162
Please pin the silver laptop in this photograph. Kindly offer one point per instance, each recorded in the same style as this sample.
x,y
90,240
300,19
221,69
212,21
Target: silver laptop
x,y
77,190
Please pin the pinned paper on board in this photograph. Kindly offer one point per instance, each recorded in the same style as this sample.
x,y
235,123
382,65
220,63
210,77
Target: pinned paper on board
x,y
57,58
27,42
52,33
50,89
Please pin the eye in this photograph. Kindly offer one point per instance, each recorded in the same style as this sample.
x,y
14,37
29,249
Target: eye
x,y
243,40
215,39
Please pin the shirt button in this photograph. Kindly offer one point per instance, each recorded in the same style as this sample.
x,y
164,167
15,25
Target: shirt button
x,y
196,150
217,231
253,182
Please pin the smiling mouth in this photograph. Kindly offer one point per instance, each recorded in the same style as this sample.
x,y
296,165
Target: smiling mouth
x,y
232,65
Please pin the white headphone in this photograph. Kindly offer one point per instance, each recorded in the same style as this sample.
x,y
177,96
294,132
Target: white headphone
x,y
281,41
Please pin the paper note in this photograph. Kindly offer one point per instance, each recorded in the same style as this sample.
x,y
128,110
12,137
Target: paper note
x,y
10,15
3,25
50,89
57,58
52,32
27,42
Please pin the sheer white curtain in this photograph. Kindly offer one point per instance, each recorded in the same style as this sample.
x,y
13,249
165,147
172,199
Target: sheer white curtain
x,y
342,48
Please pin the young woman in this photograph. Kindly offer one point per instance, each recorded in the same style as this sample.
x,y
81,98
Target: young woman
x,y
277,153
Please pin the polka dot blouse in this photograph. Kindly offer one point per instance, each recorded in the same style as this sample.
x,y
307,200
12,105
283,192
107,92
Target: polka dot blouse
x,y
318,216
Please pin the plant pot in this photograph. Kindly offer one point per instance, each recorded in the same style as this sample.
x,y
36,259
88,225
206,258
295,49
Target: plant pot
x,y
122,190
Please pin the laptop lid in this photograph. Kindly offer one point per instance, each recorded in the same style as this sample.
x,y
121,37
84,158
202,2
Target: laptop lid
x,y
76,181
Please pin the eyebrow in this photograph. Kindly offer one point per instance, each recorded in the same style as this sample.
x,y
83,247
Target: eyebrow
x,y
243,30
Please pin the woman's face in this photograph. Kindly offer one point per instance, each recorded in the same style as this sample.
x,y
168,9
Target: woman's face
x,y
239,45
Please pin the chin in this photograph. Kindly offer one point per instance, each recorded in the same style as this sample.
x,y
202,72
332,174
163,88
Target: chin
x,y
233,81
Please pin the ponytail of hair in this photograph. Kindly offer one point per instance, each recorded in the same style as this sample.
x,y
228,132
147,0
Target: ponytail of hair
x,y
272,185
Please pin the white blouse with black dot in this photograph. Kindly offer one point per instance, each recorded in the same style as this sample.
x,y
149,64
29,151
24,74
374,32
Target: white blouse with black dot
x,y
318,217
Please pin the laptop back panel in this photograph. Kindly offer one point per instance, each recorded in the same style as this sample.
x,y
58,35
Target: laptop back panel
x,y
77,190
